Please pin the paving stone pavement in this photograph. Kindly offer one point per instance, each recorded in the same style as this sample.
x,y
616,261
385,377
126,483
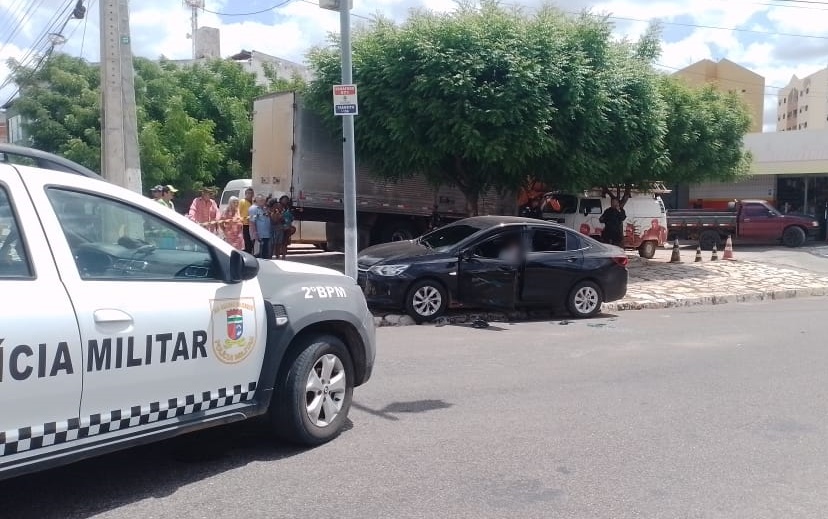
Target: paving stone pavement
x,y
660,284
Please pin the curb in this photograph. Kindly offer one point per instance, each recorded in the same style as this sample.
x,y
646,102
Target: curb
x,y
389,320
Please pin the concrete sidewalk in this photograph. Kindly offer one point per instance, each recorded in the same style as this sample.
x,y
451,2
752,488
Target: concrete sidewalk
x,y
657,283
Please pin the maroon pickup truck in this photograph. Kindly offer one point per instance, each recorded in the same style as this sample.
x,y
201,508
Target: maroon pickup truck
x,y
749,221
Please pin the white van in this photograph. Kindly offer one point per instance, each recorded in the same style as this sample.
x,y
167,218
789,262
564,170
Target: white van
x,y
313,233
234,188
645,228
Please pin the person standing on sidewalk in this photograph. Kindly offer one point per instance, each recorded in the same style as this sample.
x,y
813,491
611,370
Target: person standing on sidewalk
x,y
244,208
231,224
260,227
287,225
613,220
204,210
167,193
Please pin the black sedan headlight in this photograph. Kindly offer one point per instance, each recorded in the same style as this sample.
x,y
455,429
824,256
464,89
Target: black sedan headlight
x,y
388,270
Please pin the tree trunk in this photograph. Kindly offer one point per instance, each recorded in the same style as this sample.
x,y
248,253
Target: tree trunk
x,y
472,203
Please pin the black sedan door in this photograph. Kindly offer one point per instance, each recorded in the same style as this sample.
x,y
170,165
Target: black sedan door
x,y
554,262
489,271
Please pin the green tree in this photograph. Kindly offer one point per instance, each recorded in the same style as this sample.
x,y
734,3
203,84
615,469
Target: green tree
x,y
705,128
194,122
459,98
488,97
60,105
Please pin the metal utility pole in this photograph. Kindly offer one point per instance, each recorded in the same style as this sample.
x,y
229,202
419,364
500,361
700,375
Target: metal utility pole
x,y
120,163
194,6
348,154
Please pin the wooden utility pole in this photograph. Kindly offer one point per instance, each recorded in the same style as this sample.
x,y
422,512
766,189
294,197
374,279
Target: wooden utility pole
x,y
120,162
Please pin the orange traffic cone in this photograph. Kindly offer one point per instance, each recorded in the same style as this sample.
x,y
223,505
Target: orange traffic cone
x,y
728,252
675,257
715,256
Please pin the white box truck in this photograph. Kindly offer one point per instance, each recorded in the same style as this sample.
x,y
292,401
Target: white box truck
x,y
293,153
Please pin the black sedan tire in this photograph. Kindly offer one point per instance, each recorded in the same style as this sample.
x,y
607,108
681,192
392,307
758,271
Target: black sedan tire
x,y
585,299
426,300
312,400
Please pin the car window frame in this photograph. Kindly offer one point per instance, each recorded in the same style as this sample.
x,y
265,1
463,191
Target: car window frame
x,y
21,238
219,259
519,230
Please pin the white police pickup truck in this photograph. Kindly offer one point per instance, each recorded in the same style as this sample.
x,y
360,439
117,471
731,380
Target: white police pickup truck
x,y
122,322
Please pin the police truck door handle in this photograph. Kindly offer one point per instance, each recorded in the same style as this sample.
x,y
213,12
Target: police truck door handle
x,y
110,315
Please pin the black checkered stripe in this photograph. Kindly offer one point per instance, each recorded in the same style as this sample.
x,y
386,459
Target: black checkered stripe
x,y
56,433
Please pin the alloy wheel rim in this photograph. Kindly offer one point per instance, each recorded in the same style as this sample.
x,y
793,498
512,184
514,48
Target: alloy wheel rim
x,y
325,390
427,301
586,299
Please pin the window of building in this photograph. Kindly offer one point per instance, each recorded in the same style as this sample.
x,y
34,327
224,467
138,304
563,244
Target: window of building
x,y
743,90
807,90
804,125
800,110
806,108
799,127
786,100
783,116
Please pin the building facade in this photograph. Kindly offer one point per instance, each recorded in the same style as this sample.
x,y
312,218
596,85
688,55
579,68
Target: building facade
x,y
803,103
729,76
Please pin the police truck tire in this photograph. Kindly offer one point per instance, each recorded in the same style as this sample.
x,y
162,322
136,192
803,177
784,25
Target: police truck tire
x,y
793,237
311,401
647,249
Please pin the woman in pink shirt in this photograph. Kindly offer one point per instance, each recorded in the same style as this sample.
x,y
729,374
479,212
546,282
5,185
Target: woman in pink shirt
x,y
232,224
204,210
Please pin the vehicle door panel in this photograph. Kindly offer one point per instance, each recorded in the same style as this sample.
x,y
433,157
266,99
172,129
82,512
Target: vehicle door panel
x,y
553,264
40,351
758,223
162,334
487,276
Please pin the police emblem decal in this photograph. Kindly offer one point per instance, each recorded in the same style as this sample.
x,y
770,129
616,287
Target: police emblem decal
x,y
238,339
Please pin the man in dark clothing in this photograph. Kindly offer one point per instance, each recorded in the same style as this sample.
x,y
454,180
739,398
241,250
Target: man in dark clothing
x,y
532,210
613,220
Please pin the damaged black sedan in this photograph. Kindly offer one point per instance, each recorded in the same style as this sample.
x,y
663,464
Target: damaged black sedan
x,y
494,262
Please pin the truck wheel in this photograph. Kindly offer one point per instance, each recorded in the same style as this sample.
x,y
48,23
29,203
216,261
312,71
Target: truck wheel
x,y
647,249
708,239
398,231
793,237
585,299
311,404
426,300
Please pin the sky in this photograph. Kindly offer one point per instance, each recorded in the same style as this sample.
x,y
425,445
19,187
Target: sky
x,y
774,38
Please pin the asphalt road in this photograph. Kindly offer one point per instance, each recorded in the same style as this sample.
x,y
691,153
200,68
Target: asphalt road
x,y
703,412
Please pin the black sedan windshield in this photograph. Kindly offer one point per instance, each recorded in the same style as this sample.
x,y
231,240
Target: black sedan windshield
x,y
445,238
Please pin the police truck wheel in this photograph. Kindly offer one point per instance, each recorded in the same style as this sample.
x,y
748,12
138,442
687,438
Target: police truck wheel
x,y
312,401
647,249
793,237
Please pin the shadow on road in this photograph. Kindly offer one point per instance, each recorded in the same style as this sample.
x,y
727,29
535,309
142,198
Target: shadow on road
x,y
158,470
416,406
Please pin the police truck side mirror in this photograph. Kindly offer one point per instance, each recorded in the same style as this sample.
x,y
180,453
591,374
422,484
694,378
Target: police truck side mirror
x,y
243,266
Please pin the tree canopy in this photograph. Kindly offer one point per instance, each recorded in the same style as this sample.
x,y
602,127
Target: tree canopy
x,y
194,121
487,97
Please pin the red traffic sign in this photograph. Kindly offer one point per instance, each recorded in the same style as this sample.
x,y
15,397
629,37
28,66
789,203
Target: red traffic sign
x,y
345,100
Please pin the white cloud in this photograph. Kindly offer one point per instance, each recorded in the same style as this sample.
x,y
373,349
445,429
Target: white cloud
x,y
160,27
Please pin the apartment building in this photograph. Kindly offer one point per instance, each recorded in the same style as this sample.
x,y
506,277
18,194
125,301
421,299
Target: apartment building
x,y
803,103
729,76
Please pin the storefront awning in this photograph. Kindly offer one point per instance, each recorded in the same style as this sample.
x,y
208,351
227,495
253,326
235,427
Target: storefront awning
x,y
800,152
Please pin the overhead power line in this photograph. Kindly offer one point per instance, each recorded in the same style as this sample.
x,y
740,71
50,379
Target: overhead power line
x,y
251,13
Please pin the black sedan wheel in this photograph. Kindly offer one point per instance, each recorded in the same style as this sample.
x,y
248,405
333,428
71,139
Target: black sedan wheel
x,y
426,300
585,299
